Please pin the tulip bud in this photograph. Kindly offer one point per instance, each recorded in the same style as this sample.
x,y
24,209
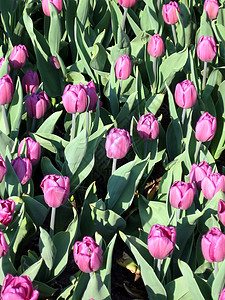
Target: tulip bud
x,y
22,168
221,211
33,150
18,288
56,189
199,172
117,143
206,49
127,3
55,62
185,94
18,56
4,248
57,4
123,67
1,63
161,241
148,127
170,12
87,255
36,105
182,194
6,90
212,184
30,82
205,128
74,98
213,245
155,46
222,295
3,168
91,92
212,8
7,208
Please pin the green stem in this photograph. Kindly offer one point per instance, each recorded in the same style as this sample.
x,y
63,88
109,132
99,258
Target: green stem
x,y
154,73
73,126
197,151
159,263
114,165
87,124
5,119
174,34
178,214
52,221
33,125
158,4
119,90
204,75
145,148
183,116
124,17
215,268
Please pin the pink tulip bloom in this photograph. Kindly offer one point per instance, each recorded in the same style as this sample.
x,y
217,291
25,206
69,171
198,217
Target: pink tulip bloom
x,y
185,94
148,127
117,143
206,49
18,56
123,67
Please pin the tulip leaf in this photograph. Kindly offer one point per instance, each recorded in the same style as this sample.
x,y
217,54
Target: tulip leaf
x,y
96,288
49,124
47,248
47,167
139,249
128,110
178,289
6,267
54,36
154,103
81,286
6,142
33,270
45,291
116,18
83,13
218,282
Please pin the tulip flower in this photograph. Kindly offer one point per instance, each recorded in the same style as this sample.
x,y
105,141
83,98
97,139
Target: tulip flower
x,y
199,172
4,248
222,295
30,82
91,92
18,288
123,68
212,184
161,241
22,168
205,128
170,16
36,105
185,94
182,194
18,56
7,208
127,3
221,211
3,168
55,62
211,8
56,3
87,255
148,127
33,152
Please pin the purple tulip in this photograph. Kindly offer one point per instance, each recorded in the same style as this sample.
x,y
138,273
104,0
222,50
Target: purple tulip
x,y
33,150
212,8
55,62
123,67
199,172
22,168
182,194
87,255
18,288
206,49
170,12
161,241
30,82
221,211
213,245
56,189
212,184
18,56
185,94
117,143
6,90
74,98
148,127
91,92
36,105
3,168
7,208
155,46
56,3
205,128
4,248
127,3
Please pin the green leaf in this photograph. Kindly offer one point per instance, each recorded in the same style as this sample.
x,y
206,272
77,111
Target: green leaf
x,y
5,141
218,283
45,291
33,270
47,248
128,110
54,35
83,13
178,289
96,288
49,124
154,103
47,167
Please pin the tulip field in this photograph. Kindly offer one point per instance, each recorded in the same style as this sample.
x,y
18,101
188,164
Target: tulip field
x,y
112,149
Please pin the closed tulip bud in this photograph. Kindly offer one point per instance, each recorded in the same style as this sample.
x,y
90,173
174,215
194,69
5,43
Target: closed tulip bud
x,y
199,172
155,46
205,128
222,295
30,82
18,288
6,90
170,12
56,189
212,8
4,248
117,143
74,98
36,105
213,245
221,211
56,3
91,92
182,194
55,62
206,49
127,3
161,241
33,150
123,67
148,127
18,56
22,168
185,94
7,208
212,184
1,63
87,255
3,168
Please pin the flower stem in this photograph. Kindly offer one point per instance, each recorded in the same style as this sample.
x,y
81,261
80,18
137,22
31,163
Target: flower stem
x,y
87,124
33,124
215,268
5,119
52,221
145,148
73,127
119,90
174,34
124,17
114,165
204,75
158,4
197,151
159,263
154,73
178,214
183,116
